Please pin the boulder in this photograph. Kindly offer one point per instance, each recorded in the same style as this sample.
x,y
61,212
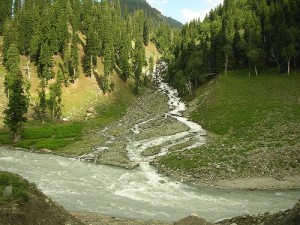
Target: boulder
x,y
7,191
192,220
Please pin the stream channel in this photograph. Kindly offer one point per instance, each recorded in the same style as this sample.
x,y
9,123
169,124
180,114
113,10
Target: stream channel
x,y
141,193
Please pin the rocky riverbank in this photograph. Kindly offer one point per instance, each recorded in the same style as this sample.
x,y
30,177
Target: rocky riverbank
x,y
286,217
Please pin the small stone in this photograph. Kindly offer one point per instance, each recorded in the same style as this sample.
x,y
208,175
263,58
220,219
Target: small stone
x,y
7,191
197,175
233,224
45,150
65,119
90,110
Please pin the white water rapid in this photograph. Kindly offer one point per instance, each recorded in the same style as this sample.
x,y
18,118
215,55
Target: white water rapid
x,y
141,193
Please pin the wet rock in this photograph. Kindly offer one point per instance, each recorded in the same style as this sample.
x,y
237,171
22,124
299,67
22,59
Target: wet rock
x,y
7,191
45,151
197,175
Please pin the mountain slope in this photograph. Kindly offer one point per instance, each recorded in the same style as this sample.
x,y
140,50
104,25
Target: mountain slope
x,y
132,5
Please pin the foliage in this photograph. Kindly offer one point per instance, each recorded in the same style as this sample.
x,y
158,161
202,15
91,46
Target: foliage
x,y
244,34
17,101
54,101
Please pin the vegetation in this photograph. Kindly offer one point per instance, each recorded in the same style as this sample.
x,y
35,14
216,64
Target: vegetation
x,y
19,191
17,102
253,124
65,137
248,34
52,35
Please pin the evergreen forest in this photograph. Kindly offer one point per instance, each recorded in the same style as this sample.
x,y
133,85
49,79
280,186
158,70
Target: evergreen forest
x,y
247,35
115,31
239,35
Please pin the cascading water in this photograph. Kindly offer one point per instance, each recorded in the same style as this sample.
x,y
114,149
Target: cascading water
x,y
141,193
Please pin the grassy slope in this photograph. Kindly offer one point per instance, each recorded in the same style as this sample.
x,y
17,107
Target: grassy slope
x,y
20,188
254,125
77,136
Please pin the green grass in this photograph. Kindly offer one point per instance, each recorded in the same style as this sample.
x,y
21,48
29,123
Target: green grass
x,y
244,114
20,187
71,138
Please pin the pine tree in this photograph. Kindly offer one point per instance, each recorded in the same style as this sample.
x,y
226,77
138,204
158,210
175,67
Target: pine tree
x,y
146,32
124,55
5,12
54,101
45,63
74,60
138,63
17,101
12,65
42,100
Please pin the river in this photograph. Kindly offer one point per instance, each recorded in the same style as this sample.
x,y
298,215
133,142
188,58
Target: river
x,y
141,193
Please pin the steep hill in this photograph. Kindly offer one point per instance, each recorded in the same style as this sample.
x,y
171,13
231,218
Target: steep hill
x,y
132,5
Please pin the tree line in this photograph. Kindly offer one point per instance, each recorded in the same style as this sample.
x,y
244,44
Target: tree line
x,y
240,34
42,29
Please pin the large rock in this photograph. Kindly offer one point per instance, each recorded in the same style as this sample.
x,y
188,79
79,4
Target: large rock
x,y
7,191
192,220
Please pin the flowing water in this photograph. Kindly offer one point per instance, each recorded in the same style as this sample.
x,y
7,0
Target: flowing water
x,y
141,193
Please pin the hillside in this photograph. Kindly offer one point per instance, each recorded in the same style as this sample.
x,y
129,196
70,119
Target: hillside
x,y
84,107
81,95
132,5
254,130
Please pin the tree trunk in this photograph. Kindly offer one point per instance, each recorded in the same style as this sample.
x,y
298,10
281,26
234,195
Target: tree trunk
x,y
289,62
256,70
276,60
249,67
28,69
226,64
17,136
91,65
189,87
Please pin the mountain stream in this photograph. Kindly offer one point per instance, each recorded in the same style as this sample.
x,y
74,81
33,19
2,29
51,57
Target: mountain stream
x,y
141,193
